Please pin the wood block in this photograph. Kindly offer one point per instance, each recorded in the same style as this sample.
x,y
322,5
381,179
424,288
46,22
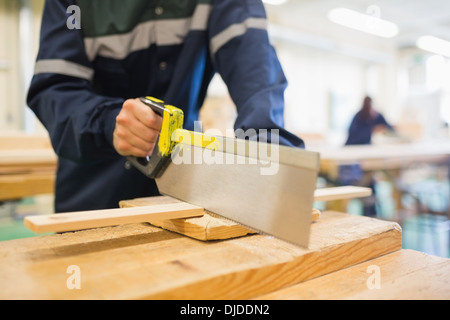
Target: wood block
x,y
208,227
404,274
137,261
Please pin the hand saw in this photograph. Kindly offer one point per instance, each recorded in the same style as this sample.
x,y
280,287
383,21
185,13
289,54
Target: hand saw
x,y
264,186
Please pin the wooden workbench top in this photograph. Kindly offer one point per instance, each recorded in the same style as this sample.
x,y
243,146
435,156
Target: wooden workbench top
x,y
383,151
141,261
403,274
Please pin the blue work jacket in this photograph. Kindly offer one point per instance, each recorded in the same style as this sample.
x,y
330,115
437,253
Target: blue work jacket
x,y
94,54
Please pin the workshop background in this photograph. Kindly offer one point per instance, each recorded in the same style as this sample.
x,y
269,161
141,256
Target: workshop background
x,y
398,54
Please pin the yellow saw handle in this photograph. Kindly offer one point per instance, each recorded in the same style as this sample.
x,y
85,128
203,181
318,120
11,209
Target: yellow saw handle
x,y
173,117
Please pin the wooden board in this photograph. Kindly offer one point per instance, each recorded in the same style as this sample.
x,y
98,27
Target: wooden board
x,y
404,274
138,261
73,221
341,193
212,227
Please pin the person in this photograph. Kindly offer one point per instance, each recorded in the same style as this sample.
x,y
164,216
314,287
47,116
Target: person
x,y
366,122
97,57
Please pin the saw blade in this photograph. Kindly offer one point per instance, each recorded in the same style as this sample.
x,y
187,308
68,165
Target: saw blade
x,y
266,187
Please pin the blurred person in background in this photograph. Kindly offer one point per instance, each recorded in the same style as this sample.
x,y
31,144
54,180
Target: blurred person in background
x,y
365,123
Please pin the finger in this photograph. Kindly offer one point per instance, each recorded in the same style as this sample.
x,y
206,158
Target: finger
x,y
128,123
126,137
130,145
146,115
145,133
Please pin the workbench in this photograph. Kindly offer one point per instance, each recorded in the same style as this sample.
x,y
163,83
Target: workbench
x,y
392,159
382,157
27,166
140,261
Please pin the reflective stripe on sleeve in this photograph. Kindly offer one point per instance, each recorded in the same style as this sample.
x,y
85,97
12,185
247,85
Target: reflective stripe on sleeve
x,y
63,67
234,31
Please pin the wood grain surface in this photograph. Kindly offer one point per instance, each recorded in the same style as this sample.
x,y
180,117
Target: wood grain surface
x,y
404,274
138,261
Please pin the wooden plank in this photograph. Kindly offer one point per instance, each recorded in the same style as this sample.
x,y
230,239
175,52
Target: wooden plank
x,y
138,261
404,274
341,193
213,227
100,218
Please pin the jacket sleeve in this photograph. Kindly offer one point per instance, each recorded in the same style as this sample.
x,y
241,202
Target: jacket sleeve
x,y
79,121
382,121
248,64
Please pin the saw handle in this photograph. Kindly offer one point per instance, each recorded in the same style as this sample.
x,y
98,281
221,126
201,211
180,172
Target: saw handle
x,y
156,105
152,166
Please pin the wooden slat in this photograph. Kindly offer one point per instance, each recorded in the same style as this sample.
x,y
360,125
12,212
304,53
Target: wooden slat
x,y
341,193
404,274
100,218
138,261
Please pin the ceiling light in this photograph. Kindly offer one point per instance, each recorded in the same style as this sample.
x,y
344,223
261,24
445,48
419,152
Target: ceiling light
x,y
434,45
275,2
363,22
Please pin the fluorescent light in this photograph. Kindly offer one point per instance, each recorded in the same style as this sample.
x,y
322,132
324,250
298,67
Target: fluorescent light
x,y
434,45
275,2
363,22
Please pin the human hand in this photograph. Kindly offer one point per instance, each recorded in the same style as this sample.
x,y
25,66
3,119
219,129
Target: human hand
x,y
379,129
137,129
